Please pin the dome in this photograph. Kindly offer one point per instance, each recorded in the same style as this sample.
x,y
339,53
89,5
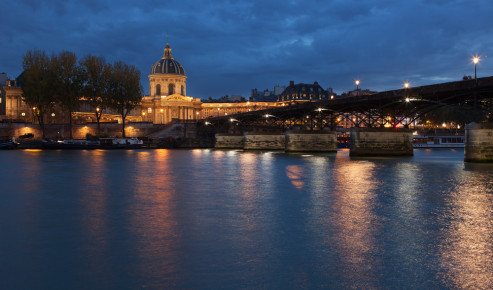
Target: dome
x,y
167,65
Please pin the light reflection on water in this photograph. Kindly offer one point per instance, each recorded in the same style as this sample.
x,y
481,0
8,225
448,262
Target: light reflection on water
x,y
234,219
467,241
355,222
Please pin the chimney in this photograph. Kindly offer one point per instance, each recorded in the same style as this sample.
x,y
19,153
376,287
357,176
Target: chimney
x,y
291,83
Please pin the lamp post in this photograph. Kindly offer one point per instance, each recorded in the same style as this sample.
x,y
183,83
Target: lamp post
x,y
406,86
475,60
357,85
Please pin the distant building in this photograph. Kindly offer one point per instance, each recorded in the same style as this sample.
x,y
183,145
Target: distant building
x,y
299,93
359,92
267,95
236,98
278,90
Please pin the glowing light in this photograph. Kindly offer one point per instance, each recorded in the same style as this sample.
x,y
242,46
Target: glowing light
x,y
331,97
408,100
162,110
444,125
23,114
406,85
475,59
53,114
97,109
357,82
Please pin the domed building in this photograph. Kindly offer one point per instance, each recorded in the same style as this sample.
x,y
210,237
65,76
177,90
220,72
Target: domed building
x,y
168,88
167,76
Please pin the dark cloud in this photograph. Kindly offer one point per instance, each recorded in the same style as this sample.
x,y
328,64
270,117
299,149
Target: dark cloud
x,y
230,47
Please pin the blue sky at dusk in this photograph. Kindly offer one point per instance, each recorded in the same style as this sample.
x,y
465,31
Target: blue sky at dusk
x,y
231,47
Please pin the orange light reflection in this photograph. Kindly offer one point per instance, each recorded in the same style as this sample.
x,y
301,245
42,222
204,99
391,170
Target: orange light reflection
x,y
295,174
354,219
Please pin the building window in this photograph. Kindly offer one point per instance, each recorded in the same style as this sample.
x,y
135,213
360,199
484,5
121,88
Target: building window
x,y
149,110
158,90
171,89
182,90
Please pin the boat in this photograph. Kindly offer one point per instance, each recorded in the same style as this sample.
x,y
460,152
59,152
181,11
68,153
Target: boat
x,y
71,144
450,141
121,143
10,143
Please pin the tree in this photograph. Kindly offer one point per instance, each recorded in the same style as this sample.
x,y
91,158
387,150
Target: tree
x,y
37,84
124,89
69,79
96,84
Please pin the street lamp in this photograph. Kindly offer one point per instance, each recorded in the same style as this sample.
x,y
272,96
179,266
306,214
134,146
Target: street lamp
x,y
357,85
475,60
406,86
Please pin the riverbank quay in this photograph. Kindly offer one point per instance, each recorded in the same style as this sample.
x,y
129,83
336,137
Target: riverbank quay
x,y
106,144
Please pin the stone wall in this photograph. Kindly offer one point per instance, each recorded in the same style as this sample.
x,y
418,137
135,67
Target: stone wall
x,y
478,143
229,141
381,142
78,131
264,141
311,141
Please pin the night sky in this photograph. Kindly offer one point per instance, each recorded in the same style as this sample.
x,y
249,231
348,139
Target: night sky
x,y
231,47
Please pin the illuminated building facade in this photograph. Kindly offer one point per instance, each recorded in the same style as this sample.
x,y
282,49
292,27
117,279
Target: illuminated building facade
x,y
11,105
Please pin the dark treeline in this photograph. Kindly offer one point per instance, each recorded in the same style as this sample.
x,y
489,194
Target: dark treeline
x,y
65,81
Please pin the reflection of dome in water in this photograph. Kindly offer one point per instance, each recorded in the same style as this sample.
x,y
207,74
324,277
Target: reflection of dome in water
x,y
167,65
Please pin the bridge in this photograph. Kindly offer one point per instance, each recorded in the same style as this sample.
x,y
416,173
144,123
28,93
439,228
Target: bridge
x,y
470,98
473,99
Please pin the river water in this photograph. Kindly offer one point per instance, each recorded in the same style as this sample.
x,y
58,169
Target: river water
x,y
231,219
